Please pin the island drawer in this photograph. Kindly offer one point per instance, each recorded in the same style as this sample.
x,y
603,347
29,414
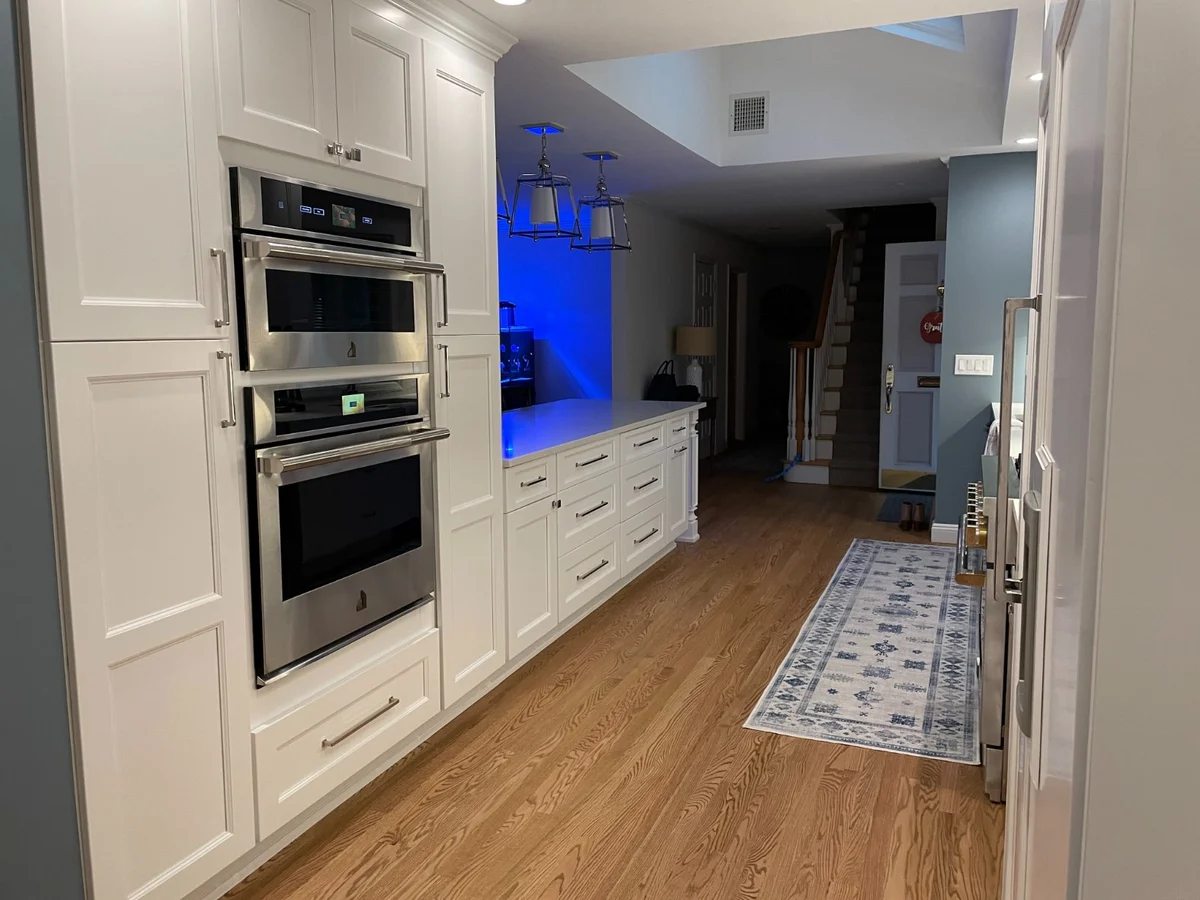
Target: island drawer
x,y
677,429
585,510
642,442
528,482
587,461
642,537
588,571
643,483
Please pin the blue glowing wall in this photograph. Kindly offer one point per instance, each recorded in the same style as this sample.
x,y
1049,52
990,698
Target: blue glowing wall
x,y
566,295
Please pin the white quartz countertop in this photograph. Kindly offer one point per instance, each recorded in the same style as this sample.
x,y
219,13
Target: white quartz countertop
x,y
551,427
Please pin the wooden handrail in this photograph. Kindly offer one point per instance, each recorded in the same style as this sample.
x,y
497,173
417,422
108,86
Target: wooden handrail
x,y
826,296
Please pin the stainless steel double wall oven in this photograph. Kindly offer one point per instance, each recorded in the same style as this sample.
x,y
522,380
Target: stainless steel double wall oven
x,y
341,468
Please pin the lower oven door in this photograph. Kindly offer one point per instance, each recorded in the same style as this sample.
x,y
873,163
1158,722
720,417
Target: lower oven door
x,y
345,540
307,305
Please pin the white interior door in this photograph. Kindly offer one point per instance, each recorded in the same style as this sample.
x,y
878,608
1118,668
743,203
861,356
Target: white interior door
x,y
908,420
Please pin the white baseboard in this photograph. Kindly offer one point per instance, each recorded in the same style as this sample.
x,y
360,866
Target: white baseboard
x,y
802,474
941,533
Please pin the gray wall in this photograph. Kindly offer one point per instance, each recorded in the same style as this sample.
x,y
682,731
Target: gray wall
x,y
39,835
989,256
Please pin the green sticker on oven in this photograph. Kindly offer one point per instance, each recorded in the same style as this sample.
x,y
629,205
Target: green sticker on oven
x,y
353,404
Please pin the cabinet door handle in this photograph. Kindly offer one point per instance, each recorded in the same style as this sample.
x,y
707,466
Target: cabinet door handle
x,y
646,485
600,458
644,443
333,148
392,703
445,369
445,300
526,484
597,508
231,422
642,540
353,154
590,572
219,254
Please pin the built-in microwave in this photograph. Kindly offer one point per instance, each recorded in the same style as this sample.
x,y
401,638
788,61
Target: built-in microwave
x,y
327,277
342,512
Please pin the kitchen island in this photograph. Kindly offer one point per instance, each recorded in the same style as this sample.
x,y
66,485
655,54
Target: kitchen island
x,y
595,492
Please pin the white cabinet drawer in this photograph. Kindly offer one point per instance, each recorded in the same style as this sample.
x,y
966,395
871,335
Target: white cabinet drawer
x,y
586,462
677,429
587,509
588,571
642,537
529,482
306,753
643,483
643,442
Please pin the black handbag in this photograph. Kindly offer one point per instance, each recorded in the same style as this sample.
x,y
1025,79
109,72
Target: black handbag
x,y
662,385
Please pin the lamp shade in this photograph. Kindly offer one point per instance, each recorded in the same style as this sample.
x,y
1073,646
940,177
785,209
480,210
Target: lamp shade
x,y
695,340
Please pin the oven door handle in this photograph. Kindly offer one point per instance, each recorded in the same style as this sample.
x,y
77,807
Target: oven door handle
x,y
266,248
281,465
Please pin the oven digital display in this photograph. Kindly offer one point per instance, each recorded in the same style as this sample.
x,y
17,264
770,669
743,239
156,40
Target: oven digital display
x,y
353,404
343,216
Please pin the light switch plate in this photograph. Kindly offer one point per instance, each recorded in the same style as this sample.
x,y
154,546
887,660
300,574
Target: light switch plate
x,y
965,364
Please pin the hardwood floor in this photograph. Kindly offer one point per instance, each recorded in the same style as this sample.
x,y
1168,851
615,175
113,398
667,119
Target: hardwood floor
x,y
615,764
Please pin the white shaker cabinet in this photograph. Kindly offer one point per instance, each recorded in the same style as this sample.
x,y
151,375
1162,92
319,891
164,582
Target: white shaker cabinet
x,y
470,479
332,80
679,476
532,555
130,183
461,137
156,600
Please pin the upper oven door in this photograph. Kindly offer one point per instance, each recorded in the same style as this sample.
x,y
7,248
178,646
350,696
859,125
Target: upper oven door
x,y
307,305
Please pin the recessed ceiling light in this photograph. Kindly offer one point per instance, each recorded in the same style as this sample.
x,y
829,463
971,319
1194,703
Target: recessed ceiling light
x,y
1029,140
1036,76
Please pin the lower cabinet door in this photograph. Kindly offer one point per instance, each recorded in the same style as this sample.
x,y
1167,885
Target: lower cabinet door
x,y
588,571
470,511
310,751
156,576
532,554
678,476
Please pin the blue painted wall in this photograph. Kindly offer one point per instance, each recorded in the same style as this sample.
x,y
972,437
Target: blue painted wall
x,y
989,255
566,295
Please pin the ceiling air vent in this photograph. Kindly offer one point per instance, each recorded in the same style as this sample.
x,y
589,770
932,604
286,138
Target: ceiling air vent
x,y
748,113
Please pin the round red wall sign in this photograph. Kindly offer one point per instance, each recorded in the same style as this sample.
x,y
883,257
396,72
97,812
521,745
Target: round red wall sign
x,y
931,328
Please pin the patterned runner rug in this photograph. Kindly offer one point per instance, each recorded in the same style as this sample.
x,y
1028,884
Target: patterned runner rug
x,y
886,659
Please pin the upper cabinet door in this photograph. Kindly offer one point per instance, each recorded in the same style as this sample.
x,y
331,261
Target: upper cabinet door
x,y
380,94
462,187
277,74
129,180
156,585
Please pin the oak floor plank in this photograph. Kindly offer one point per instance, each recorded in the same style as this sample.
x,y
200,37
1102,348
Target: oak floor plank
x,y
614,765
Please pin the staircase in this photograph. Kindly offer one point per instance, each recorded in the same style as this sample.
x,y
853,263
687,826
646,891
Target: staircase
x,y
843,429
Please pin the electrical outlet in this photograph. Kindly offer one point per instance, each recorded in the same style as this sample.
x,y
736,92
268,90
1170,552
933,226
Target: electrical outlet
x,y
965,364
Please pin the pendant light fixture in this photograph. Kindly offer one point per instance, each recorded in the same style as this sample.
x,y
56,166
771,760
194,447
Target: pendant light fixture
x,y
606,225
503,210
538,205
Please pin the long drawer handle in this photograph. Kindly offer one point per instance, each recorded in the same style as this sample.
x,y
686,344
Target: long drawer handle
x,y
600,458
218,253
646,485
597,508
231,422
644,443
682,449
588,574
532,483
642,540
679,429
333,742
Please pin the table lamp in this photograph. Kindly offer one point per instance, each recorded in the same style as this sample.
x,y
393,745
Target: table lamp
x,y
695,341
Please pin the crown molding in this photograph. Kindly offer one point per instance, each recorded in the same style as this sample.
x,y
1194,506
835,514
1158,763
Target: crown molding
x,y
459,21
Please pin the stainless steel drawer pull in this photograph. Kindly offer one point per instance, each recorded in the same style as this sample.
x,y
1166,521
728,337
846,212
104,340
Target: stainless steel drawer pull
x,y
231,422
679,450
646,485
644,443
590,572
679,429
600,458
596,508
642,540
532,483
333,742
219,254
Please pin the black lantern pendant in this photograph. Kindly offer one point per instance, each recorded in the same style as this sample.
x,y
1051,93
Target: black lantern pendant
x,y
602,224
503,210
544,205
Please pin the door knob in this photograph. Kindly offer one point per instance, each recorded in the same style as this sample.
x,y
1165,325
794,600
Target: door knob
x,y
889,381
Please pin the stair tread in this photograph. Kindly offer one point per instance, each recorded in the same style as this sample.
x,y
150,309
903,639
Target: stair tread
x,y
815,462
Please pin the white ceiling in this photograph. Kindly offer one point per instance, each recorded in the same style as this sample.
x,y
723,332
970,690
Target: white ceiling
x,y
773,202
